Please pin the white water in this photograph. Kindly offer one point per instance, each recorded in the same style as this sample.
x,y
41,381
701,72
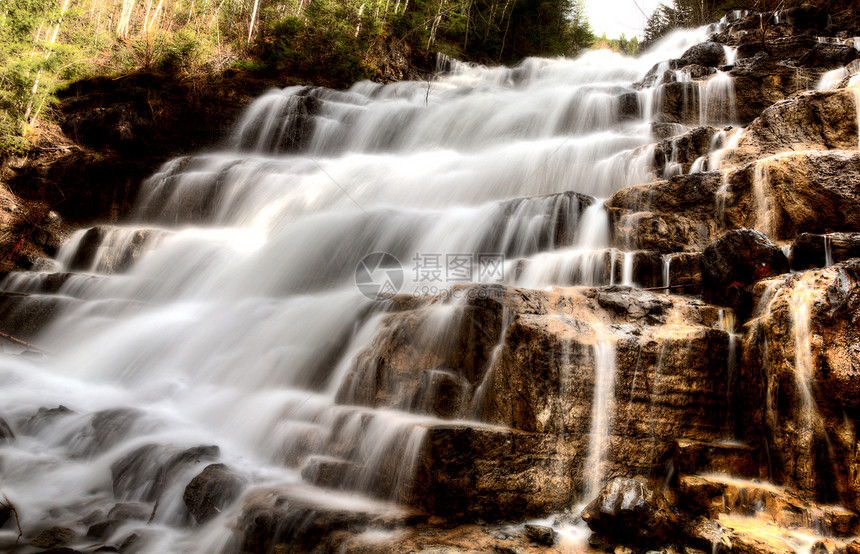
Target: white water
x,y
602,408
239,323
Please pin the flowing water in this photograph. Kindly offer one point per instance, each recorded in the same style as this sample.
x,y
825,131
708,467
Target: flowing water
x,y
226,313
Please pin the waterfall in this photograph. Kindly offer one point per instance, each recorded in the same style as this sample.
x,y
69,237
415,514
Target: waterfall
x,y
601,415
238,310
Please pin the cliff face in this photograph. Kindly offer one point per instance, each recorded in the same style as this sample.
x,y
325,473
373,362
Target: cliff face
x,y
717,413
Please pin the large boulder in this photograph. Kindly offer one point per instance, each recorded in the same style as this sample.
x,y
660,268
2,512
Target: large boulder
x,y
739,258
631,512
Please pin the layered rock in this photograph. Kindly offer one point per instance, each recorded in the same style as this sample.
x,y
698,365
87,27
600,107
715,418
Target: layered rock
x,y
801,384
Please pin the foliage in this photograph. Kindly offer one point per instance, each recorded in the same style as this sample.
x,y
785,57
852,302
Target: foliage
x,y
46,43
622,45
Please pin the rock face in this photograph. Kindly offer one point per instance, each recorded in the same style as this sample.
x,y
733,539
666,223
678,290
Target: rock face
x,y
631,512
813,120
664,357
799,366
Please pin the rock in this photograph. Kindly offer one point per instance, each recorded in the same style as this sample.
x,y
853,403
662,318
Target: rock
x,y
807,17
760,82
813,120
143,473
810,250
62,550
739,258
467,472
667,216
211,490
683,150
631,512
807,192
729,458
105,430
799,371
307,520
709,54
541,534
6,434
715,495
628,106
103,529
53,537
130,510
679,103
43,418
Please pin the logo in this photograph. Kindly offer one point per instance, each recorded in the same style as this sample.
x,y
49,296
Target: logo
x,y
379,275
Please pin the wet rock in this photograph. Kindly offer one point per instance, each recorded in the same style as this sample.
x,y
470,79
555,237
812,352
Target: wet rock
x,y
829,56
709,54
739,258
6,434
53,537
685,268
304,520
110,250
130,510
106,429
103,529
143,473
62,550
25,316
808,192
715,495
667,216
683,150
43,418
759,83
814,120
541,534
467,472
800,380
211,490
679,103
628,106
728,458
630,511
810,250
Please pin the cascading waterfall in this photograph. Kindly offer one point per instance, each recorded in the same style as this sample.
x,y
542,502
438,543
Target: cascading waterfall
x,y
601,413
227,313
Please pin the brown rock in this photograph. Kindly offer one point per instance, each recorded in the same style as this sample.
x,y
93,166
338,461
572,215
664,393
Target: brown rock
x,y
53,537
813,120
631,512
739,258
801,380
211,490
810,250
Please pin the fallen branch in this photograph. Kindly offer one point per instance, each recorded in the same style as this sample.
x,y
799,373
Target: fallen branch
x,y
673,287
24,343
8,505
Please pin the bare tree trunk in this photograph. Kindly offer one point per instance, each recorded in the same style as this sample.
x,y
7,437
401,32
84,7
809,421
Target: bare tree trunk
x,y
253,17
